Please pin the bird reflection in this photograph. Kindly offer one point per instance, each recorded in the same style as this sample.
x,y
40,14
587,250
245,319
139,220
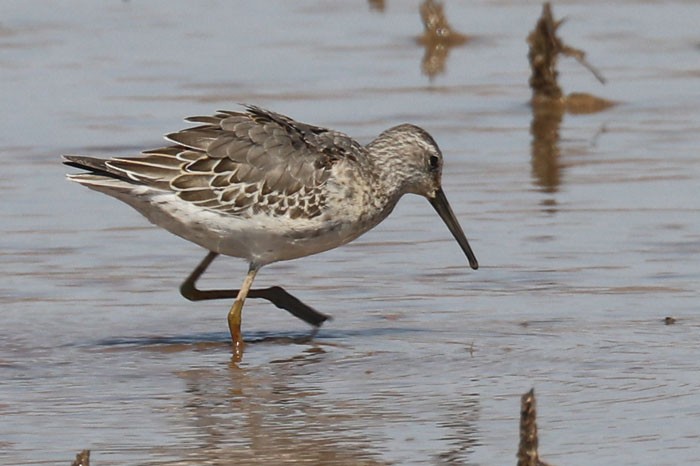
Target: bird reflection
x,y
298,410
438,38
268,415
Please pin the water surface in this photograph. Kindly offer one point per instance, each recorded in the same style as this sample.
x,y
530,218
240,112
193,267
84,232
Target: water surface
x,y
425,360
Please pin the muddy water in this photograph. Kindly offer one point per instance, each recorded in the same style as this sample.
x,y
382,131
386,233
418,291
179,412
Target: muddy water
x,y
585,248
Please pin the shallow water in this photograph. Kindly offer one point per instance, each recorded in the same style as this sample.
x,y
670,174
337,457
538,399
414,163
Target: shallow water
x,y
583,254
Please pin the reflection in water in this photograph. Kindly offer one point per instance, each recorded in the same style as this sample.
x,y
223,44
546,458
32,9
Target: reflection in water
x,y
284,412
548,101
272,415
546,120
438,38
461,423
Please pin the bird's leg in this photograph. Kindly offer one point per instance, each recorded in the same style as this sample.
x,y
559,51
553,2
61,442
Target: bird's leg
x,y
234,315
276,295
189,290
283,300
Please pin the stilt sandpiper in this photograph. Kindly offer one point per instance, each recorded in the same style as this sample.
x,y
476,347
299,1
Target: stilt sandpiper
x,y
263,187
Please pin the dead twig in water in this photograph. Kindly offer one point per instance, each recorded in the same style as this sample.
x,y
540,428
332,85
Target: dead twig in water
x,y
527,451
82,459
580,56
545,48
377,5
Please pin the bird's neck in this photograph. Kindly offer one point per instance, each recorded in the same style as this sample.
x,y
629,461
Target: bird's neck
x,y
388,172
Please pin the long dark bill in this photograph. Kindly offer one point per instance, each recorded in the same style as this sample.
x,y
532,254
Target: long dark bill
x,y
440,204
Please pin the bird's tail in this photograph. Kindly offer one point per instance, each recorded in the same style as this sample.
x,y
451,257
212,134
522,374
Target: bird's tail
x,y
94,166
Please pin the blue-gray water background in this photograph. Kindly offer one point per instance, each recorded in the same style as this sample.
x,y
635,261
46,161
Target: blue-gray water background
x,y
425,360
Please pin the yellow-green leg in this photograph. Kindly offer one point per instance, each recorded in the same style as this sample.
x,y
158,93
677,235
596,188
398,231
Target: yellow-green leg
x,y
235,314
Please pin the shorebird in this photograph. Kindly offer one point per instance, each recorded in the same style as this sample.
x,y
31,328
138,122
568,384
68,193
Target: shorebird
x,y
261,186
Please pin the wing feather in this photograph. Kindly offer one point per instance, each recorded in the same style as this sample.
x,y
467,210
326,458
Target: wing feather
x,y
241,163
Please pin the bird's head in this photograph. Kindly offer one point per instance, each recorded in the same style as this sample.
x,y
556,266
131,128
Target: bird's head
x,y
412,159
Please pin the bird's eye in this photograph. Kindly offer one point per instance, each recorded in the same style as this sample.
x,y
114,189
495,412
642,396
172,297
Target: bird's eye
x,y
434,162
